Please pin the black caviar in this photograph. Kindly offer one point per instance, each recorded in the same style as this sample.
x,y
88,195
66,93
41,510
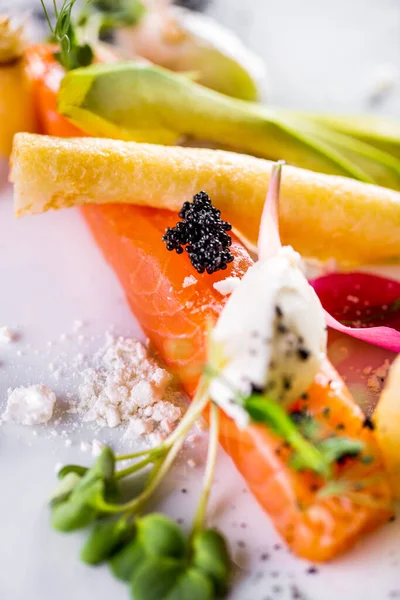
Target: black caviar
x,y
203,234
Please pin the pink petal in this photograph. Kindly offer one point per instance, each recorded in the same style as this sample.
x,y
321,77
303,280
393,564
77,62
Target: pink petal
x,y
269,241
364,306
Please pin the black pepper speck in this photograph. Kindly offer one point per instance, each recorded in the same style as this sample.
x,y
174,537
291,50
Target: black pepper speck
x,y
303,353
312,571
281,328
368,423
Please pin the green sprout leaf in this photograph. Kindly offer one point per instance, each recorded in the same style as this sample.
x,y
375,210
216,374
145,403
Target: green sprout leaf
x,y
211,556
117,13
105,539
73,52
156,536
67,469
263,409
169,579
70,516
336,448
65,487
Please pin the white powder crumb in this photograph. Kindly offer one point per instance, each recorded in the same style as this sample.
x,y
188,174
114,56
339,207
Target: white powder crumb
x,y
49,343
57,467
97,447
126,385
226,286
7,335
63,337
367,370
382,371
188,281
19,353
30,405
377,379
373,383
34,432
383,80
77,325
68,443
191,463
85,446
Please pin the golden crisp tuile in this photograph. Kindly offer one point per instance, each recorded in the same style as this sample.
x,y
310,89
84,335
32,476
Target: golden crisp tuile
x,y
321,215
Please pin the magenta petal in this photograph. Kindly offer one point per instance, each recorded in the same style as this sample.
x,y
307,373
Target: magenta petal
x,y
364,306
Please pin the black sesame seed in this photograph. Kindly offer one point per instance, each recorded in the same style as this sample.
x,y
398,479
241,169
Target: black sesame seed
x,y
368,423
277,547
264,556
312,570
392,519
257,389
184,491
326,412
203,233
282,328
286,382
278,311
340,427
304,396
303,353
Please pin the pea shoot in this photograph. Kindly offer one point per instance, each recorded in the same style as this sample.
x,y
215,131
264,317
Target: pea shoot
x,y
150,553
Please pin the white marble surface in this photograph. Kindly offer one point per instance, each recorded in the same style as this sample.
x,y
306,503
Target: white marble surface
x,y
321,55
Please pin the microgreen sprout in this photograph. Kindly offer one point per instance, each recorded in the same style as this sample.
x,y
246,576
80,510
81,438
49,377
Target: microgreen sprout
x,y
74,51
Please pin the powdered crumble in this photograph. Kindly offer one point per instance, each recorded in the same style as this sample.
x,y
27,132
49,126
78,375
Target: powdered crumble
x,y
126,385
30,405
226,286
7,335
376,380
188,281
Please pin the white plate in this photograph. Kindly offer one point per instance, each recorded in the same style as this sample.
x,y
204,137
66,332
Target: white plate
x,y
51,273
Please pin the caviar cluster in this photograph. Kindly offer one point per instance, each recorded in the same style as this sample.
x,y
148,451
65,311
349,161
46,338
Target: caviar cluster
x,y
203,234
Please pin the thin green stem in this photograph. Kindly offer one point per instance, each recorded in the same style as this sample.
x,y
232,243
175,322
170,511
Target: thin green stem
x,y
171,447
192,414
134,468
136,454
198,523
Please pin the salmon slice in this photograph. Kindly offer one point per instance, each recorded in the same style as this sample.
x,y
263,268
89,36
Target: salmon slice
x,y
175,316
170,313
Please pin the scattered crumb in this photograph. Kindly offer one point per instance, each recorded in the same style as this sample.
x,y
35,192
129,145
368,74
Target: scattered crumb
x,y
191,463
376,380
383,79
30,405
126,385
97,447
7,335
188,281
68,443
85,446
77,325
58,466
226,286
